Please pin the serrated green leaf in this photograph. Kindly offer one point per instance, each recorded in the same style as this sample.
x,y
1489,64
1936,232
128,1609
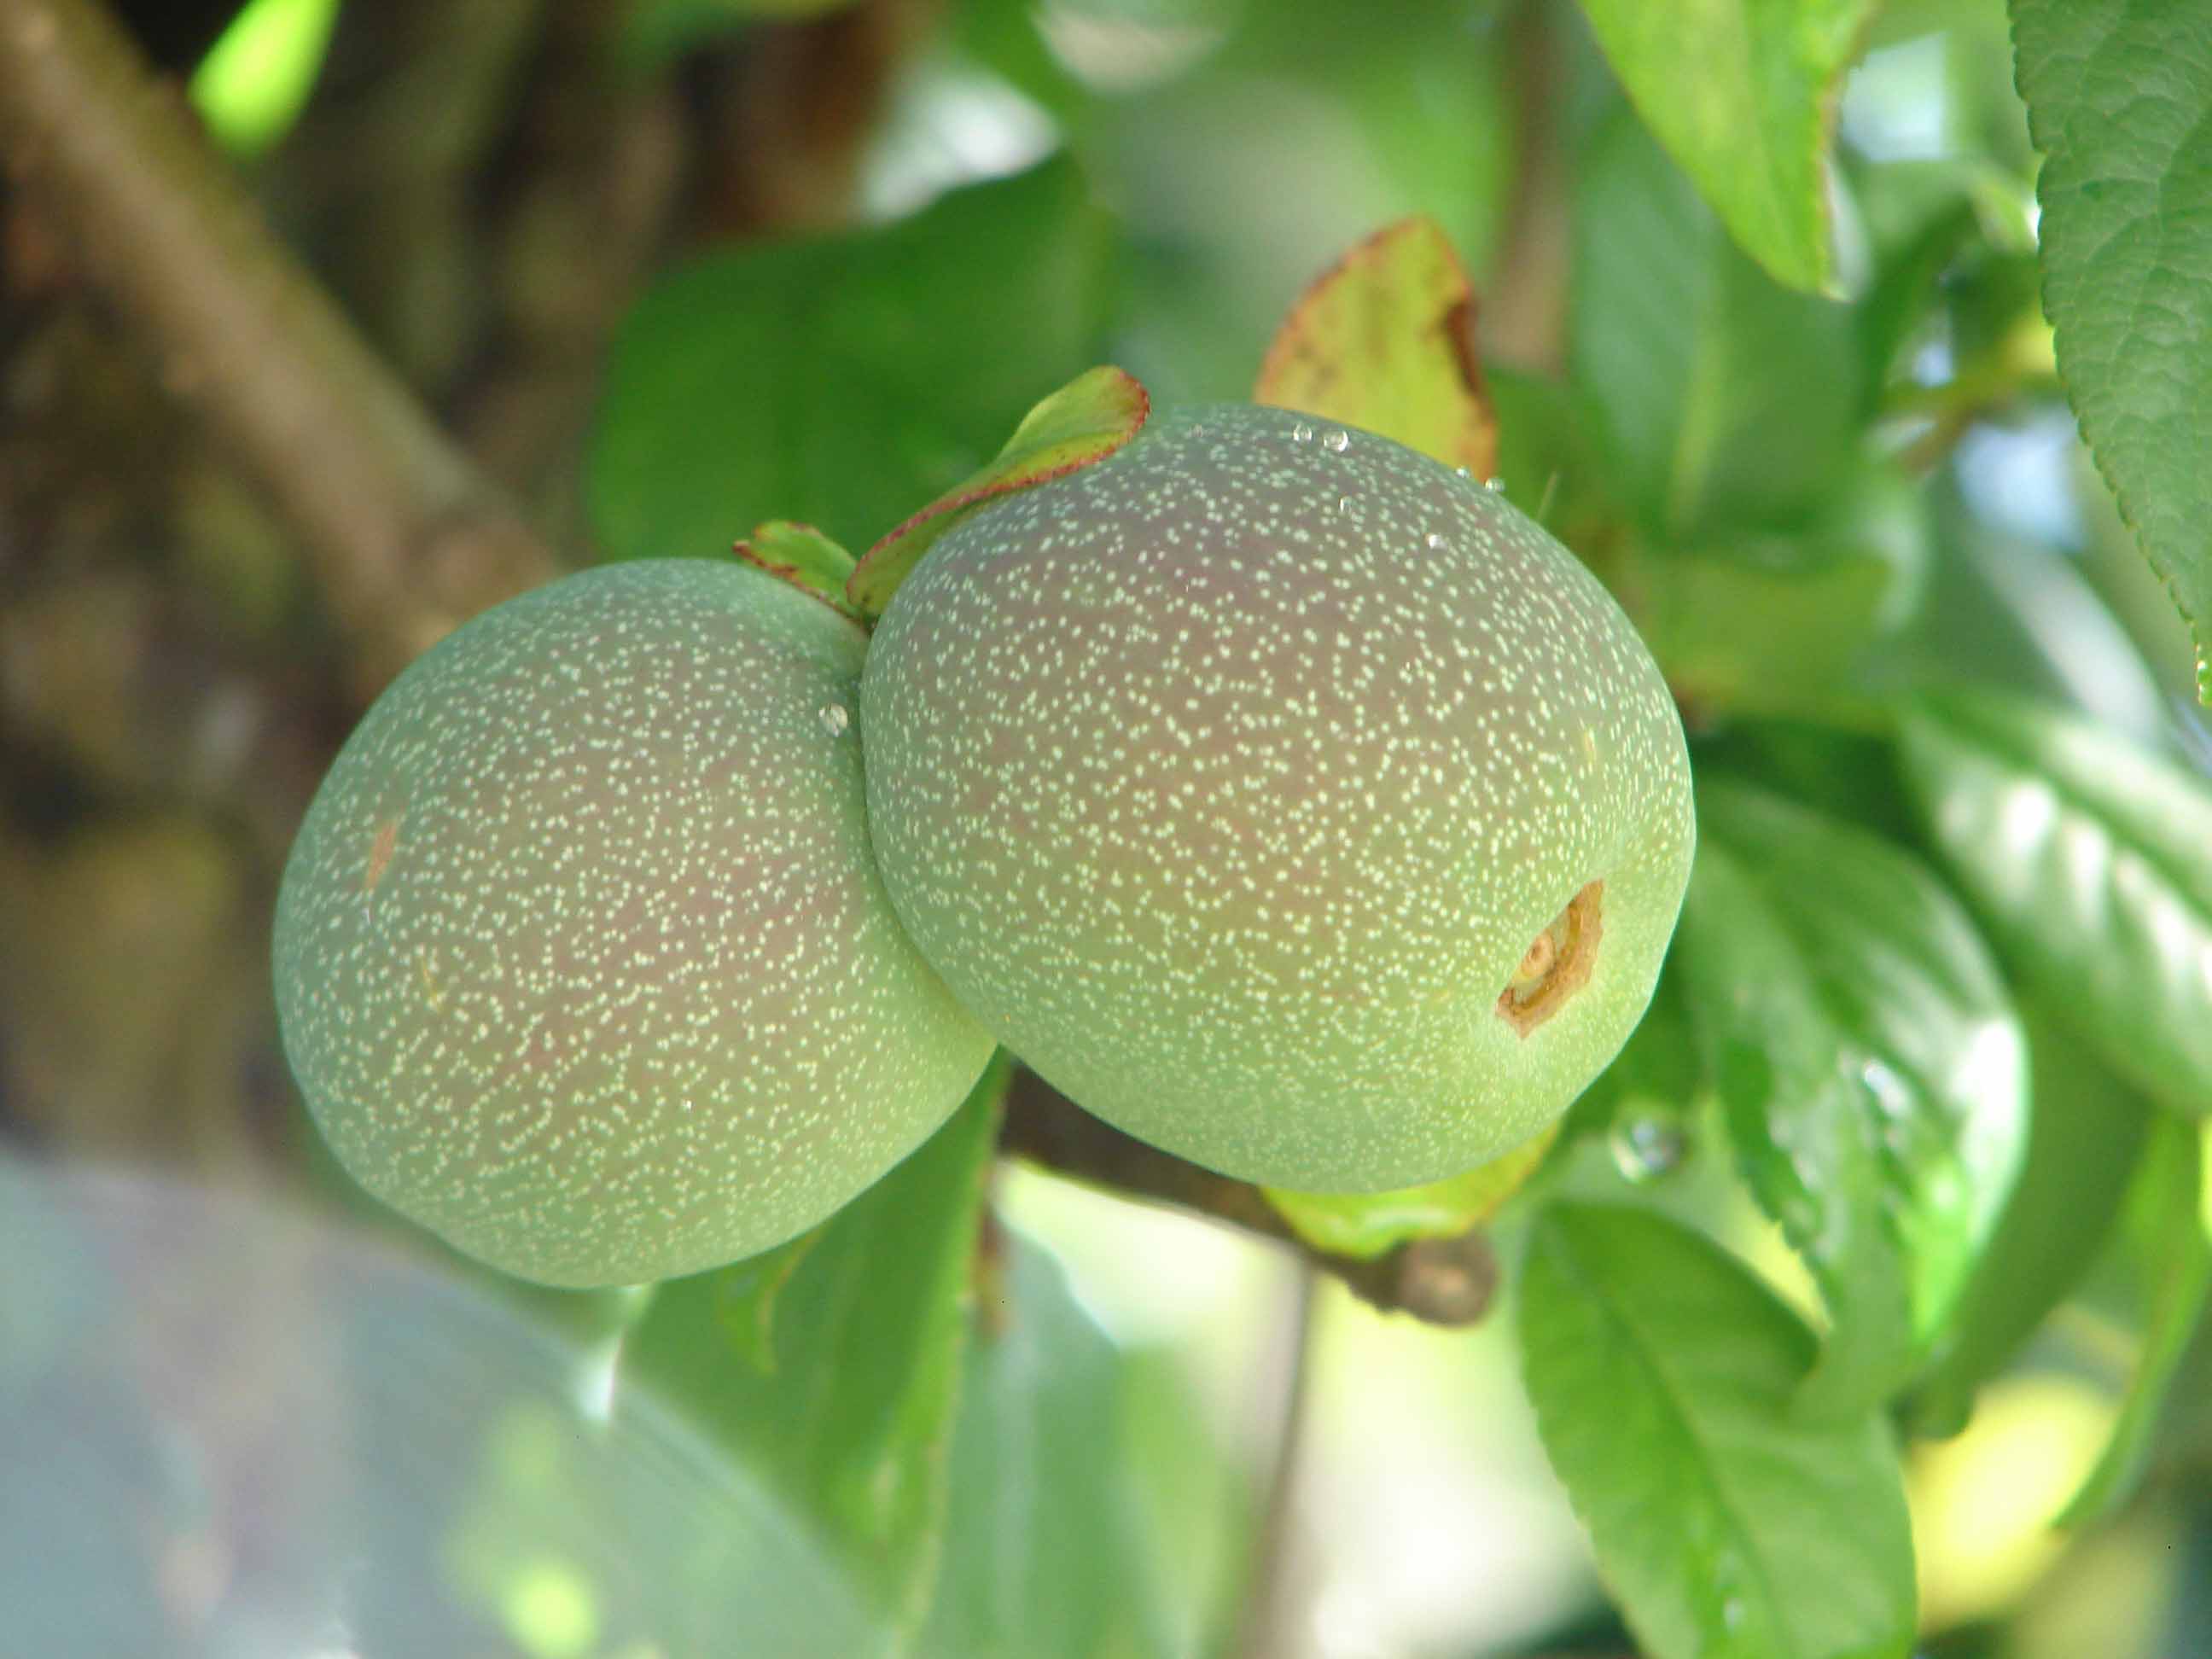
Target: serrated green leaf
x,y
1384,339
2173,1204
852,1420
1721,398
2086,1133
1743,94
1043,1556
1365,1225
1664,1377
2090,861
839,380
1871,1065
2119,102
1077,426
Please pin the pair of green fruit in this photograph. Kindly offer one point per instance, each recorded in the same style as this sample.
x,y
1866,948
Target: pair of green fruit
x,y
1283,796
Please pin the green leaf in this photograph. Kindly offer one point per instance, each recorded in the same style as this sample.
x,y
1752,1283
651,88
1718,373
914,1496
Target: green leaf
x,y
2086,1132
2173,1206
1042,1552
1077,426
1658,1077
1776,623
1743,93
1871,1065
846,1407
2090,861
1365,1225
802,555
841,381
1384,339
1546,458
2119,101
1722,398
1846,773
1665,1375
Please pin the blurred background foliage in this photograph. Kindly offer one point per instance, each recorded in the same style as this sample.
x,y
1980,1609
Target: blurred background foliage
x,y
670,267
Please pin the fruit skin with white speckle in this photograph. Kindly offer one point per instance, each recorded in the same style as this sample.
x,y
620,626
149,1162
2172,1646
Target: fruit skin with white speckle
x,y
1283,797
581,958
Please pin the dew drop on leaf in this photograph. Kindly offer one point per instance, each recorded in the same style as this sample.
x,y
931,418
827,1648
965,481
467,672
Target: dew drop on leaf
x,y
1646,1147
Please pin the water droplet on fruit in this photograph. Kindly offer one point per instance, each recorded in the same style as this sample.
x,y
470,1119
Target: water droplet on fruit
x,y
1340,440
1646,1147
1731,1613
1302,434
1495,486
1344,503
1463,472
837,718
1435,540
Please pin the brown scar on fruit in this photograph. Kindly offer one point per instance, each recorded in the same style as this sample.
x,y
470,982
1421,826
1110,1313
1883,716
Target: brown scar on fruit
x,y
379,854
1556,965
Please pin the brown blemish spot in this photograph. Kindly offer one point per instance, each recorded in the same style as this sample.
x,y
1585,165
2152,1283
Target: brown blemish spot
x,y
379,854
1556,964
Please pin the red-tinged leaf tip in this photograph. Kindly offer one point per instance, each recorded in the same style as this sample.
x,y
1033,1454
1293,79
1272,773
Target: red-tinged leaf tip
x,y
1077,426
803,556
1384,339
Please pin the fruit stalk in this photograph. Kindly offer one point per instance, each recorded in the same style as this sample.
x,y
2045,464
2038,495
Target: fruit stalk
x,y
1440,1281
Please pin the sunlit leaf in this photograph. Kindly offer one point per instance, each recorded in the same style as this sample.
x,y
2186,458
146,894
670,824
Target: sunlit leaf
x,y
2119,101
1743,94
2091,860
1665,1378
255,80
1869,1060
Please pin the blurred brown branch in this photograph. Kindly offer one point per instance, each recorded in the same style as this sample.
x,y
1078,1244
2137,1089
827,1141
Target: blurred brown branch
x,y
405,537
1442,1281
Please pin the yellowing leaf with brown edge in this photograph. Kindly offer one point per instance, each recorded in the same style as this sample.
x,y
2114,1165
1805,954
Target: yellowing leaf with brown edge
x,y
1384,339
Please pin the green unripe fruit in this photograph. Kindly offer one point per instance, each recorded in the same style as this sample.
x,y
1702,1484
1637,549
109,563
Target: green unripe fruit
x,y
1283,797
581,957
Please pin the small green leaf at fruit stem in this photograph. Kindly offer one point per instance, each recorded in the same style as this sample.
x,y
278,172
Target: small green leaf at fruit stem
x,y
1366,1225
803,556
1077,426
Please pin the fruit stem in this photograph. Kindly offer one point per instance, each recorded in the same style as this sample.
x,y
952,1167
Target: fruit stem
x,y
1440,1281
